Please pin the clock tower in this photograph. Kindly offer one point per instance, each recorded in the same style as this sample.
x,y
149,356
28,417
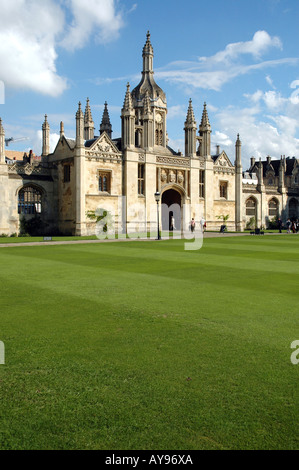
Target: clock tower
x,y
149,102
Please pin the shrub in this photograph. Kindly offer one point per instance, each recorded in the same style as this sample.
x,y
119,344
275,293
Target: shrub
x,y
32,227
251,224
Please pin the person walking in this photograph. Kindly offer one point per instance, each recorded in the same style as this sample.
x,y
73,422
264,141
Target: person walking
x,y
192,225
279,225
293,227
202,224
288,226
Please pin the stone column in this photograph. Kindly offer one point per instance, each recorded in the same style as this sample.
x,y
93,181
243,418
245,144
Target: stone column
x,y
2,143
80,174
46,137
238,187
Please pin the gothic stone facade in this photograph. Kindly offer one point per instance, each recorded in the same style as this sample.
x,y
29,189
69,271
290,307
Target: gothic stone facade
x,y
122,175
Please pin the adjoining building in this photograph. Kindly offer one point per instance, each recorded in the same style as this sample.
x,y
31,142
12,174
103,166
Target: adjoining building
x,y
123,174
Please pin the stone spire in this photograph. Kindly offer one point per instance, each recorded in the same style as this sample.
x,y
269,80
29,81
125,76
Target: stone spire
x,y
88,122
2,143
205,123
79,127
148,55
106,124
128,104
46,137
238,161
205,134
61,129
128,121
190,132
190,119
147,80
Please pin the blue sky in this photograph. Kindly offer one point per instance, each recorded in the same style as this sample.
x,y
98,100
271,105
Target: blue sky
x,y
241,57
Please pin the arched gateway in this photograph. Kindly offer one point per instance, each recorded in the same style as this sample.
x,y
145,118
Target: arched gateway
x,y
171,210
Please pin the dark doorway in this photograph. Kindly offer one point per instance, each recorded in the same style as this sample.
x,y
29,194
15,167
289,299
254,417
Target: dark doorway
x,y
293,209
171,210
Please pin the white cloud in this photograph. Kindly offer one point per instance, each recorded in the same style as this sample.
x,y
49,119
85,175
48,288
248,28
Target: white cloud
x,y
92,17
273,100
27,45
36,142
255,97
270,81
259,44
261,134
177,145
214,71
295,95
196,76
30,35
222,139
177,111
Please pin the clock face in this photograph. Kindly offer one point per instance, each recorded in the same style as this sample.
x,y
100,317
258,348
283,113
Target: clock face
x,y
158,117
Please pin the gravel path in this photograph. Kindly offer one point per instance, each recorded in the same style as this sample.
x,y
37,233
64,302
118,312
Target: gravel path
x,y
73,242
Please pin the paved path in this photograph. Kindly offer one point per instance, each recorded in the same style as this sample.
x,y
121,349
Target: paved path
x,y
77,242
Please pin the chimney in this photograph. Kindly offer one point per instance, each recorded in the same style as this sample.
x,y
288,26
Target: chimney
x,y
252,162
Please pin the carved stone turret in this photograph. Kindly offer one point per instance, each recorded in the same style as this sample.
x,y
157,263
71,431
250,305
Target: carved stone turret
x,y
128,121
79,127
106,124
147,81
88,122
205,134
61,129
46,137
190,132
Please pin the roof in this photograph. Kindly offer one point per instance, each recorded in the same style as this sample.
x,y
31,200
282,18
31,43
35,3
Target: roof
x,y
88,143
274,165
14,154
71,143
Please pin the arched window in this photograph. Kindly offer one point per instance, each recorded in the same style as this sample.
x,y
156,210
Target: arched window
x,y
138,138
105,181
159,134
251,207
30,200
273,208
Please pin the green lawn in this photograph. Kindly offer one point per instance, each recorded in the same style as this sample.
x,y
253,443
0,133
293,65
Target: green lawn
x,y
142,345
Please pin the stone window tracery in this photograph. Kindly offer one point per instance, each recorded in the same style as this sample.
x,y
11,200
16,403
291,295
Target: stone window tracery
x,y
104,182
30,200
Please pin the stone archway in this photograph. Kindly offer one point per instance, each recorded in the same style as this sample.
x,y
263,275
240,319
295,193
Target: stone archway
x,y
171,210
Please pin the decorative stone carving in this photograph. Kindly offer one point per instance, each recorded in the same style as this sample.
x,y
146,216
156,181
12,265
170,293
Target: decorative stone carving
x,y
172,177
174,161
180,177
163,176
